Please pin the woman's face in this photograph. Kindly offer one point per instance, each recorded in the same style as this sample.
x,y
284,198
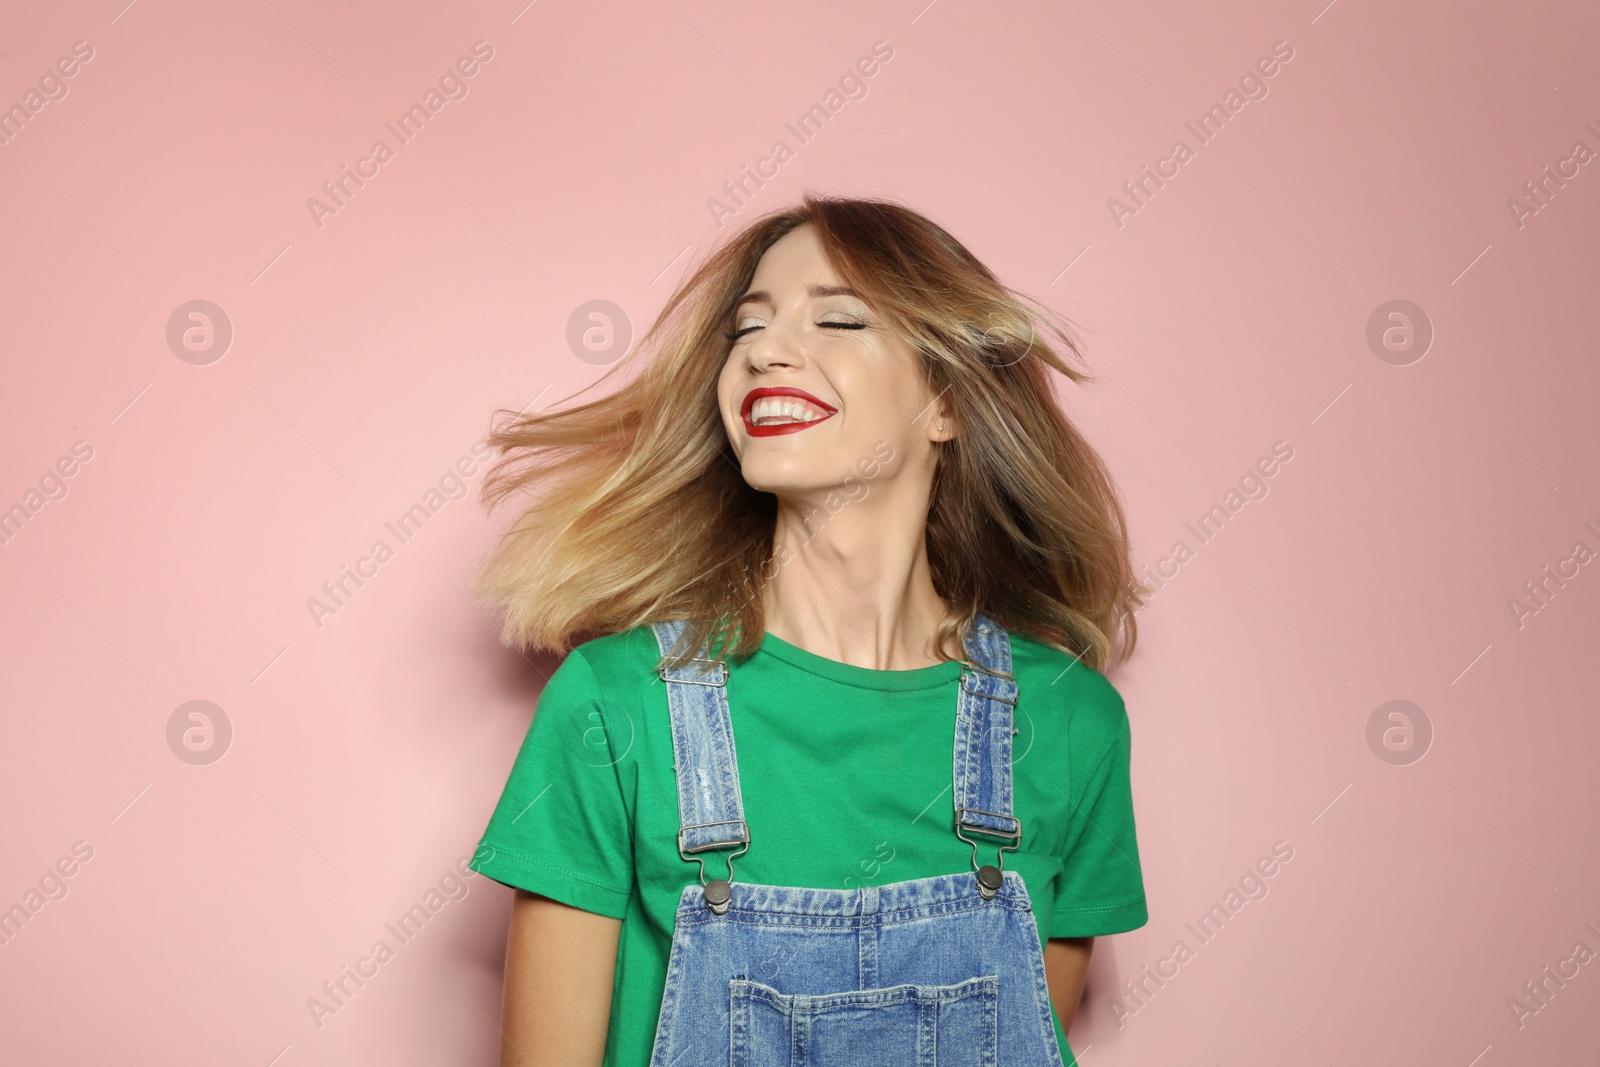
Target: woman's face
x,y
816,389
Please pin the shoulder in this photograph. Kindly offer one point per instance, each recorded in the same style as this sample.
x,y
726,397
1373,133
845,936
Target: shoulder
x,y
637,644
619,662
595,696
1067,695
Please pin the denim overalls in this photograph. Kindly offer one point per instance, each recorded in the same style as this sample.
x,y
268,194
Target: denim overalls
x,y
945,971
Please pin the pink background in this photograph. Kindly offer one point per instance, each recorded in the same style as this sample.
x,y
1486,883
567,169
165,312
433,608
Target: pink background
x,y
1229,312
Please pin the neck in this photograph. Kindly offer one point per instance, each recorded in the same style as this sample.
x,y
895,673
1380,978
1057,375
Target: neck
x,y
853,584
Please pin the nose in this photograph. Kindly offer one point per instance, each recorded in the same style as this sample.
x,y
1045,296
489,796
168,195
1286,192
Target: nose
x,y
775,345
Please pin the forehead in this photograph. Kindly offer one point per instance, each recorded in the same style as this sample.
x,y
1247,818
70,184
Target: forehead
x,y
796,257
795,266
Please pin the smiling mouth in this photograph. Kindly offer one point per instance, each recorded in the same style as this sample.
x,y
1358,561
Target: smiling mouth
x,y
781,410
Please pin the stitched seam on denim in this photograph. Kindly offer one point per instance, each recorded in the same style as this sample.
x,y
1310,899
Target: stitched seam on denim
x,y
854,922
846,923
987,985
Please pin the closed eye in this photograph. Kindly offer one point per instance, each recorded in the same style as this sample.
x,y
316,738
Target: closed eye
x,y
735,335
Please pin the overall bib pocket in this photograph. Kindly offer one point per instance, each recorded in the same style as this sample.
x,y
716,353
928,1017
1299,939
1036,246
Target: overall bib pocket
x,y
892,1026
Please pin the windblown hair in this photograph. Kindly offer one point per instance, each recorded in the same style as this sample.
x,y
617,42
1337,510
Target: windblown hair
x,y
640,513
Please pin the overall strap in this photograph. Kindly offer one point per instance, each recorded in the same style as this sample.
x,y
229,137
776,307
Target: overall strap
x,y
710,810
983,736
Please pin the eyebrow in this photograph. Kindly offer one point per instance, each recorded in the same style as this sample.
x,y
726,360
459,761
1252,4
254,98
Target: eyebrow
x,y
761,296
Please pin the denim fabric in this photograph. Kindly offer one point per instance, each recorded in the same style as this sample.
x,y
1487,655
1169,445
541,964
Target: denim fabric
x,y
919,973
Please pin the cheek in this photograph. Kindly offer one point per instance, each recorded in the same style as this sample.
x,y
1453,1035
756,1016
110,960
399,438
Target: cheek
x,y
890,391
726,407
885,406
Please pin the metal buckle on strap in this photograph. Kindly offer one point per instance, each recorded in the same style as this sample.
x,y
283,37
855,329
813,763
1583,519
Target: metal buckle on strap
x,y
744,836
716,893
1014,836
990,879
971,665
1012,700
721,670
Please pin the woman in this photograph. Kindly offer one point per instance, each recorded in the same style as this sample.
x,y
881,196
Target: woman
x,y
839,517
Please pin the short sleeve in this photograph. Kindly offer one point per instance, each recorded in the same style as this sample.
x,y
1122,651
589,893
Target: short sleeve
x,y
1102,887
561,827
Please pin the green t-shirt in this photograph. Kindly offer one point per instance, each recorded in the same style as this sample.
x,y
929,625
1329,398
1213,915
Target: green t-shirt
x,y
845,774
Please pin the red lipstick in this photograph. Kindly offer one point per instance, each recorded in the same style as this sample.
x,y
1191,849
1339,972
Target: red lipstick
x,y
775,429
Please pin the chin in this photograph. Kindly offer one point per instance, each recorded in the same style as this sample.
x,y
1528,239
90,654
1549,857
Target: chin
x,y
784,475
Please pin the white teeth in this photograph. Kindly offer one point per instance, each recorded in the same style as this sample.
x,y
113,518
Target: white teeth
x,y
774,410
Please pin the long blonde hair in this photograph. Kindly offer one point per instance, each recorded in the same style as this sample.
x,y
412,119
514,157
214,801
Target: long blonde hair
x,y
640,513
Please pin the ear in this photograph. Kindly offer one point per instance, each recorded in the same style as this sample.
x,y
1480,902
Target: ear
x,y
941,421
